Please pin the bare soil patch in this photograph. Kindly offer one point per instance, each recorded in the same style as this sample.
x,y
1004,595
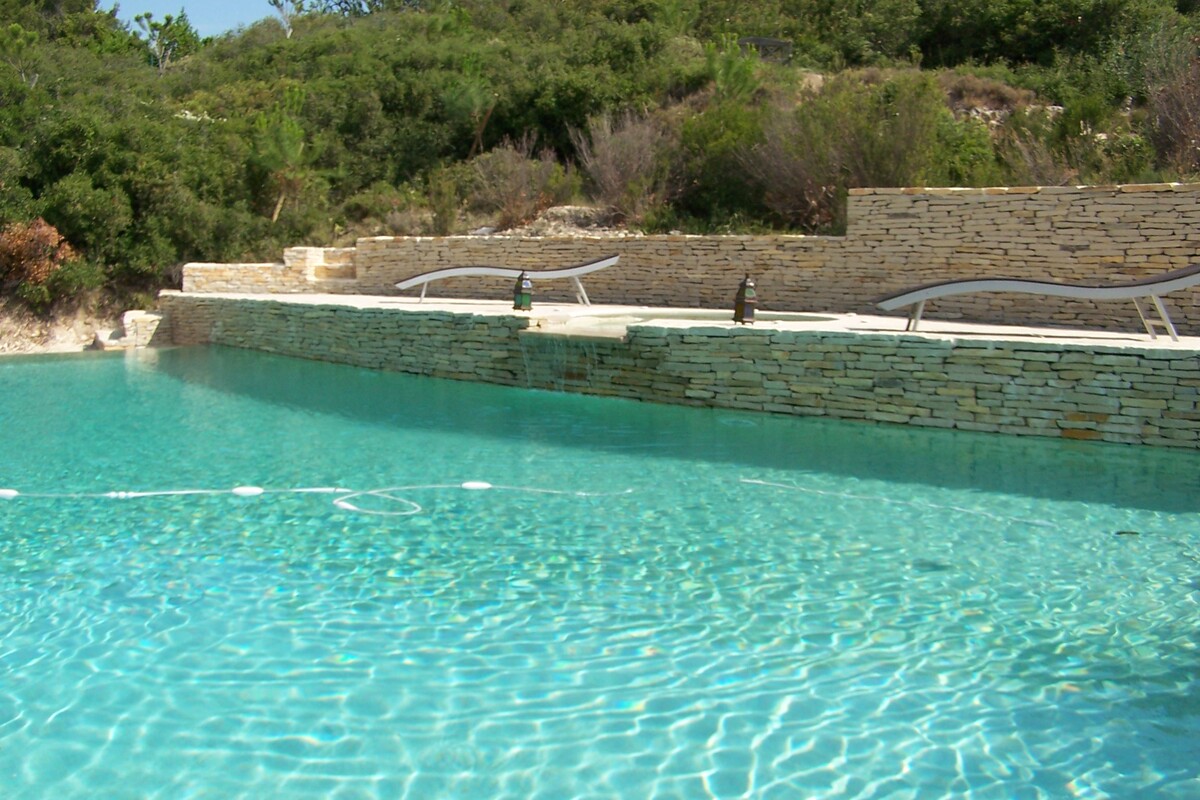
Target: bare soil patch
x,y
63,331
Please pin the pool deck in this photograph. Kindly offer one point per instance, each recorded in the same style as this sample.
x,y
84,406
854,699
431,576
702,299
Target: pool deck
x,y
613,321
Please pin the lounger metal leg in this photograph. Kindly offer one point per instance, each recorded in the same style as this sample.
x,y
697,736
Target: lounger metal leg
x,y
1162,315
424,286
580,294
914,316
1162,312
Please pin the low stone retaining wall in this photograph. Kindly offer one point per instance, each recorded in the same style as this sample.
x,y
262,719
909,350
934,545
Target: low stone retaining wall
x,y
439,344
304,270
1093,392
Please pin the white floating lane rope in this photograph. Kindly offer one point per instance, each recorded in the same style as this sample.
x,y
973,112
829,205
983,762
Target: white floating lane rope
x,y
346,500
892,501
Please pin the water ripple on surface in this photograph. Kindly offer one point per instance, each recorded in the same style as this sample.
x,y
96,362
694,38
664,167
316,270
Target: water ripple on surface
x,y
347,499
731,628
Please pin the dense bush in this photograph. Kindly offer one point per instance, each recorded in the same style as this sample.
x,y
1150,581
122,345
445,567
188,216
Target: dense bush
x,y
517,184
411,116
714,189
862,130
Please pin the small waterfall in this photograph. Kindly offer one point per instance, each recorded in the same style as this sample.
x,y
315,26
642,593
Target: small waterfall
x,y
559,363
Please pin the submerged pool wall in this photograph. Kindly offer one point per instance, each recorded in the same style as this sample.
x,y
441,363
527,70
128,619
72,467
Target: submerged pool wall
x,y
1093,392
896,238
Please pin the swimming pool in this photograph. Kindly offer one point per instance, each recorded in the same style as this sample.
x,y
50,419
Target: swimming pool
x,y
456,590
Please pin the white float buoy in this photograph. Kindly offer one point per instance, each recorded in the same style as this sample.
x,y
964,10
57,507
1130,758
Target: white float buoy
x,y
247,491
476,485
8,494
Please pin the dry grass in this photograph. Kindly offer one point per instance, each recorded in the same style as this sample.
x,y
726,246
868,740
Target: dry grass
x,y
516,182
626,160
966,92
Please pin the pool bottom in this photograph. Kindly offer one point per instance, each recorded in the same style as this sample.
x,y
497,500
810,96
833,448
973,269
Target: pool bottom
x,y
489,647
617,619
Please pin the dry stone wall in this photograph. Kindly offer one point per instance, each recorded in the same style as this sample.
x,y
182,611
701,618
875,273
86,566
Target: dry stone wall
x,y
438,344
896,238
1096,392
325,270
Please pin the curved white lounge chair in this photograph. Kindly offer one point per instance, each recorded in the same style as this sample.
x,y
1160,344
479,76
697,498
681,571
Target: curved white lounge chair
x,y
573,272
1150,289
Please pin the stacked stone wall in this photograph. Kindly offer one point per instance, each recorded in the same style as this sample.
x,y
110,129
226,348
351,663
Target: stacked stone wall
x,y
305,270
437,344
1098,392
896,239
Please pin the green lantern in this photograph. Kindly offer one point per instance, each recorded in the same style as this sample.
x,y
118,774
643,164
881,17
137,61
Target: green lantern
x,y
523,293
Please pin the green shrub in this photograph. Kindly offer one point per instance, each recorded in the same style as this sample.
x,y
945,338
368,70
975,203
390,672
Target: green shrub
x,y
1127,157
516,185
798,165
734,74
16,201
964,154
890,131
1026,153
444,201
1096,144
94,217
713,182
867,129
375,202
75,277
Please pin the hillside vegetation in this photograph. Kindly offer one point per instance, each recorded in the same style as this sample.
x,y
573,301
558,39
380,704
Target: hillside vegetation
x,y
127,151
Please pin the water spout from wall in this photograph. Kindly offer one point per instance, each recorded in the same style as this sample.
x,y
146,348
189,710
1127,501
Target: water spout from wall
x,y
559,363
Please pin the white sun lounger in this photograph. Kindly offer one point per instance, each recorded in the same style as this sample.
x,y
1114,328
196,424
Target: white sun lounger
x,y
573,272
1147,289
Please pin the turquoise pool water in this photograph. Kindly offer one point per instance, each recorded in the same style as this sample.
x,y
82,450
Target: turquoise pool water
x,y
646,602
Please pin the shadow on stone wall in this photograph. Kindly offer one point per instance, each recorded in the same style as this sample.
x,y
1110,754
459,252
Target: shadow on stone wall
x,y
1123,476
